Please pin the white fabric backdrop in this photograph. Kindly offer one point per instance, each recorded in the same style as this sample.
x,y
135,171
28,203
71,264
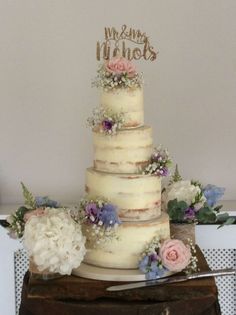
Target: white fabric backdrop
x,y
47,60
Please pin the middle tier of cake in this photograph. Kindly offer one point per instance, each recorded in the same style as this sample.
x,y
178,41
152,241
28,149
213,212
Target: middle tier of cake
x,y
137,196
128,151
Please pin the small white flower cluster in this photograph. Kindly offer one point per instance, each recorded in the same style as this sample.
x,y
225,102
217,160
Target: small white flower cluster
x,y
95,233
98,234
106,121
55,241
193,266
107,81
152,246
160,163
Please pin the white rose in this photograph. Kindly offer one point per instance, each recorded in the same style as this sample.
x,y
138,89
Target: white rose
x,y
182,191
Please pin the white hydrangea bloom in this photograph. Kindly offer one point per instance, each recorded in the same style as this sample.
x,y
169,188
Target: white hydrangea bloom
x,y
54,241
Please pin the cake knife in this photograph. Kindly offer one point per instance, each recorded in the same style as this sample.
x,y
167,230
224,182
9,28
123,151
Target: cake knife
x,y
172,279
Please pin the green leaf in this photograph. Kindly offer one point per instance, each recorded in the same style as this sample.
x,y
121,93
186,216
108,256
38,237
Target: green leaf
x,y
217,208
206,215
229,221
176,210
222,217
20,212
29,198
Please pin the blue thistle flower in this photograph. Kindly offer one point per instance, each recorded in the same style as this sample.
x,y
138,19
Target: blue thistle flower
x,y
213,194
108,215
46,202
143,264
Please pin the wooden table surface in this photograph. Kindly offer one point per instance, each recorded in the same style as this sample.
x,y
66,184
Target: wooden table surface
x,y
72,295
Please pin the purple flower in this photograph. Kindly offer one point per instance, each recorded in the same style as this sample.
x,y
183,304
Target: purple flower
x,y
154,257
213,194
92,211
108,215
163,171
189,213
107,125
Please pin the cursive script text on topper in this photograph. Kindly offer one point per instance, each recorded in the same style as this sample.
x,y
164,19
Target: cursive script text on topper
x,y
128,42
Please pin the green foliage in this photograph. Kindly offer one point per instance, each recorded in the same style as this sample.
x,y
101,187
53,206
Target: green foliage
x,y
176,210
29,198
206,215
224,219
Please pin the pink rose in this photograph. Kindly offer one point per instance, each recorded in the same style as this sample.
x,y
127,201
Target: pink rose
x,y
37,212
120,65
175,255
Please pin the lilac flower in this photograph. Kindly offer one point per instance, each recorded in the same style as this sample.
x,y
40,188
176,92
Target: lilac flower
x,y
46,202
108,215
107,125
189,213
153,257
163,171
213,194
92,211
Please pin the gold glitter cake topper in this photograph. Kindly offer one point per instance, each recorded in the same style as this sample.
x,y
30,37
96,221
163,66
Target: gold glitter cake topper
x,y
128,42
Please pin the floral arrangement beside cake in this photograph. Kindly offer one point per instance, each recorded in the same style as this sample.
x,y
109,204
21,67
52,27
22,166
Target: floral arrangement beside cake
x,y
51,236
188,202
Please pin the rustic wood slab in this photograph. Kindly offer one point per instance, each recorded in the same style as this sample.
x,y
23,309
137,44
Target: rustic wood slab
x,y
73,295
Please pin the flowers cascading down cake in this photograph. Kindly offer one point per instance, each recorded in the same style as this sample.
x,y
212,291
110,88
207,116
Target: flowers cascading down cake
x,y
126,176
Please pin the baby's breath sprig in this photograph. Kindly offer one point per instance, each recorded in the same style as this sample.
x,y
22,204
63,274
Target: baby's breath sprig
x,y
160,163
193,264
105,121
99,219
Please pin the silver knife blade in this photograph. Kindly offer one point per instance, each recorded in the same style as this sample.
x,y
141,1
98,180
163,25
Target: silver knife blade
x,y
172,279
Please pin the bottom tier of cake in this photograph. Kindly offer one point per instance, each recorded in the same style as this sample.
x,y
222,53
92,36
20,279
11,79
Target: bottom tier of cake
x,y
124,251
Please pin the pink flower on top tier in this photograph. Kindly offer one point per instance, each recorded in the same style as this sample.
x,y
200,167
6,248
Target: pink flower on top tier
x,y
37,212
120,65
175,255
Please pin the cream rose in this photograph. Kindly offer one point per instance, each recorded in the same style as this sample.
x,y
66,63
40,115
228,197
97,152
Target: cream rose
x,y
175,255
120,65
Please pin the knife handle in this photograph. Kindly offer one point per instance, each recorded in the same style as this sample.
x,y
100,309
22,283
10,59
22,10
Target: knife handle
x,y
213,273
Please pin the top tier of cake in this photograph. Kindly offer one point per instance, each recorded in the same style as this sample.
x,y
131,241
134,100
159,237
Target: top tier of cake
x,y
128,101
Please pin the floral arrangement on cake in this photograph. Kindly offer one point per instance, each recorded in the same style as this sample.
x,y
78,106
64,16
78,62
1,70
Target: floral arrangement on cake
x,y
117,72
160,258
51,236
159,164
99,215
105,121
190,202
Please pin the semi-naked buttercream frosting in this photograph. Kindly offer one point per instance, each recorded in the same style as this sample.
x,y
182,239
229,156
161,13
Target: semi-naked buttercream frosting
x,y
137,196
128,151
128,101
132,238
